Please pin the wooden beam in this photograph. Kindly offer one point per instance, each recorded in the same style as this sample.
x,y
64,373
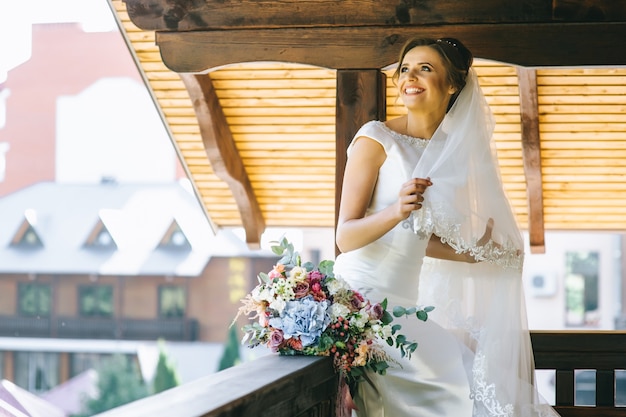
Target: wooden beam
x,y
223,155
186,15
528,45
531,155
586,10
360,98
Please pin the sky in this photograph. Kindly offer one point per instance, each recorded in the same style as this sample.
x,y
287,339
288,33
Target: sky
x,y
17,18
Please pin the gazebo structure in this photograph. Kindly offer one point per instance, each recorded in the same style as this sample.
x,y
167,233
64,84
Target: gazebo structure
x,y
262,98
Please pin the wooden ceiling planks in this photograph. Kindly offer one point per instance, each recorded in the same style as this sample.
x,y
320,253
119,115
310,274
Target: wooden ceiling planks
x,y
583,134
282,116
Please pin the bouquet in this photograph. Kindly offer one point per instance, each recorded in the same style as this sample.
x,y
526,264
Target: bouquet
x,y
303,309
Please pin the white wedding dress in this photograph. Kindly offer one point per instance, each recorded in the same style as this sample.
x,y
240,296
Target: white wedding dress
x,y
474,356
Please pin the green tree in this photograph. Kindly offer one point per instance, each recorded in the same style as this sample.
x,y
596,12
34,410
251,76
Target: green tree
x,y
119,383
230,356
166,376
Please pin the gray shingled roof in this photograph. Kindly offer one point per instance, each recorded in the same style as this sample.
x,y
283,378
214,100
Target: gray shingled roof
x,y
136,216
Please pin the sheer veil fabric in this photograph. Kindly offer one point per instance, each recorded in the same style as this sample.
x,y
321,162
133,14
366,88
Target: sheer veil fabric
x,y
467,189
482,304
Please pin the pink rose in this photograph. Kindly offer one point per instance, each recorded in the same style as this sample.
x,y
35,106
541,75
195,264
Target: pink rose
x,y
376,311
276,340
315,276
356,302
301,289
277,272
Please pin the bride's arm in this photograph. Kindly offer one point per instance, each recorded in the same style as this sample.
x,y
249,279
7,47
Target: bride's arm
x,y
354,228
437,249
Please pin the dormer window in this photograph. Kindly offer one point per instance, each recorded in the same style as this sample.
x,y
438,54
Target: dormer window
x,y
27,236
174,238
100,238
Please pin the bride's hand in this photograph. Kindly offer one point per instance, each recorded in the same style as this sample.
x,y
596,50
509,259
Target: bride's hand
x,y
410,197
486,237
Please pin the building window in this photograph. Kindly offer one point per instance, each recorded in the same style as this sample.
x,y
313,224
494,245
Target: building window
x,y
581,289
83,361
34,299
171,301
96,301
36,371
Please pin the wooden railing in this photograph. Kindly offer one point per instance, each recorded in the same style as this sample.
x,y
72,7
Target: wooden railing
x,y
272,386
565,352
275,386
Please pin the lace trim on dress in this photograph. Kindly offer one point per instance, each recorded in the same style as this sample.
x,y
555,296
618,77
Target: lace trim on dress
x,y
487,405
484,393
437,220
415,142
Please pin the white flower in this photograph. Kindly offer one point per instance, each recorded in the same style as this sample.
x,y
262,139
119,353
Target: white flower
x,y
386,332
337,310
298,273
262,294
360,320
336,285
278,304
284,289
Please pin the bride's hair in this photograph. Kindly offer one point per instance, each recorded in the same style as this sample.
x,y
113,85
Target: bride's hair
x,y
455,56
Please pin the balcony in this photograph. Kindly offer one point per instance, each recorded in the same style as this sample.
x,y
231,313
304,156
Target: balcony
x,y
306,386
99,328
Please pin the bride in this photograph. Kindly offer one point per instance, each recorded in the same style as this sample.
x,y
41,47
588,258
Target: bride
x,y
424,220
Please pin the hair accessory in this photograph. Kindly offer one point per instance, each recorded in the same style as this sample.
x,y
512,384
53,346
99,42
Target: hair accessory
x,y
447,41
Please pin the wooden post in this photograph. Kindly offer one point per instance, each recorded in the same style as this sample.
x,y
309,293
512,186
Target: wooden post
x,y
361,97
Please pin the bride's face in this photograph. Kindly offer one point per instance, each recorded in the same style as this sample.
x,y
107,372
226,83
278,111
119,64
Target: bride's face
x,y
423,81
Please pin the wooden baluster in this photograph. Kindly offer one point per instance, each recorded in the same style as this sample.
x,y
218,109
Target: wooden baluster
x,y
564,387
605,388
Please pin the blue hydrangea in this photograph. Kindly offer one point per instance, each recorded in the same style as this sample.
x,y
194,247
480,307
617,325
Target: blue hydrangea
x,y
304,318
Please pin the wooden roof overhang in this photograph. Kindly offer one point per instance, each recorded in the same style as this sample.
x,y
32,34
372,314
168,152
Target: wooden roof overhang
x,y
358,39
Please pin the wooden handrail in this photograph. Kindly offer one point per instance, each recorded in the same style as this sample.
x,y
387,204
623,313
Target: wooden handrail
x,y
272,385
568,351
279,386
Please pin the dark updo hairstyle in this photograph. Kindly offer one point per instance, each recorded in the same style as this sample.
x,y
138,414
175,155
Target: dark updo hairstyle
x,y
456,58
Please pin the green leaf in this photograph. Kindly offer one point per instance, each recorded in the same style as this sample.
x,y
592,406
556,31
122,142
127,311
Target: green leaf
x,y
380,367
399,311
422,315
429,309
395,328
263,278
326,268
383,304
400,339
386,318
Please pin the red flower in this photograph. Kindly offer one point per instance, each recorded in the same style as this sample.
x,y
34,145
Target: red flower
x,y
294,343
